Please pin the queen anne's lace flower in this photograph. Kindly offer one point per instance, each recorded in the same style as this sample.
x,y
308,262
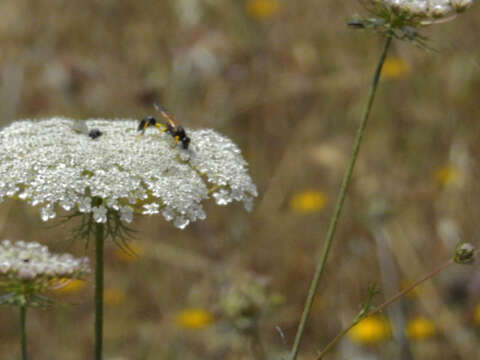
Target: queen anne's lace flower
x,y
50,163
33,261
29,269
428,10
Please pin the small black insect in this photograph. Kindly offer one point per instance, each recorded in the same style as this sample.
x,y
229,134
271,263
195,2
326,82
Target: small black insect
x,y
81,127
95,133
177,132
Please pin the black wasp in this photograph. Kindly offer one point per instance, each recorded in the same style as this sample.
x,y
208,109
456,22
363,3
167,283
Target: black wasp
x,y
177,132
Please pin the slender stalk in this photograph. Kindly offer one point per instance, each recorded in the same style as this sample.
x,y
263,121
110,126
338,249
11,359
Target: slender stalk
x,y
339,205
379,308
23,334
99,244
256,344
411,287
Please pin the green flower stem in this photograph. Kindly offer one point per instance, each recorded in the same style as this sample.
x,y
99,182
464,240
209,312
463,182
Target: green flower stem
x,y
338,208
23,334
379,308
256,344
99,244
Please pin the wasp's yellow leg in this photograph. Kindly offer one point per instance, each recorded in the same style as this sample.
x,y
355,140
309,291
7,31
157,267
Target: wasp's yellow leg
x,y
161,128
176,141
142,131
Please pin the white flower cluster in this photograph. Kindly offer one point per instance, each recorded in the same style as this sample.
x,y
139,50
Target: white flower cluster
x,y
429,9
50,163
33,262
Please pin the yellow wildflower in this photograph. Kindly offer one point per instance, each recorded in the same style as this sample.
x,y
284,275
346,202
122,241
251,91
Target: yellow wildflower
x,y
476,314
394,68
420,328
371,330
447,175
308,201
194,318
68,286
112,296
262,9
134,251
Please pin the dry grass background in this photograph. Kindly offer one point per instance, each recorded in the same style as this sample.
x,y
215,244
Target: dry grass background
x,y
288,87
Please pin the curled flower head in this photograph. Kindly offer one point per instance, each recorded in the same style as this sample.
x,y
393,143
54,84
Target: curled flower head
x,y
49,163
245,301
27,269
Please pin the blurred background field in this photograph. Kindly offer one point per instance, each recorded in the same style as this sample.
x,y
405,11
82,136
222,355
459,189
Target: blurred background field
x,y
287,82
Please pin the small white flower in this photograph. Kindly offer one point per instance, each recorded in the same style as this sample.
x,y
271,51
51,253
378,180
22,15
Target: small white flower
x,y
50,164
100,214
150,209
126,214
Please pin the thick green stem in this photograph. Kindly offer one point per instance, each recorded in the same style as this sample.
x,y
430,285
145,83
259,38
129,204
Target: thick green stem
x,y
23,334
339,205
99,244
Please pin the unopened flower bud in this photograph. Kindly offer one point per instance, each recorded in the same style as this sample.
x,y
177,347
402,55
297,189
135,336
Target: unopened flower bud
x,y
464,253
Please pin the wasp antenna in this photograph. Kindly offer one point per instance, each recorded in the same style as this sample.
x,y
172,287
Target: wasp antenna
x,y
159,107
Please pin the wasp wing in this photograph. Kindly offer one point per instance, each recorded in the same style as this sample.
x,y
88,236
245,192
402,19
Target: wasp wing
x,y
165,114
80,126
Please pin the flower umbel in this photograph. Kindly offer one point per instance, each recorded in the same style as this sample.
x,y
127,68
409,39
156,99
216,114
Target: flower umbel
x,y
427,10
399,18
29,269
421,12
50,164
245,301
